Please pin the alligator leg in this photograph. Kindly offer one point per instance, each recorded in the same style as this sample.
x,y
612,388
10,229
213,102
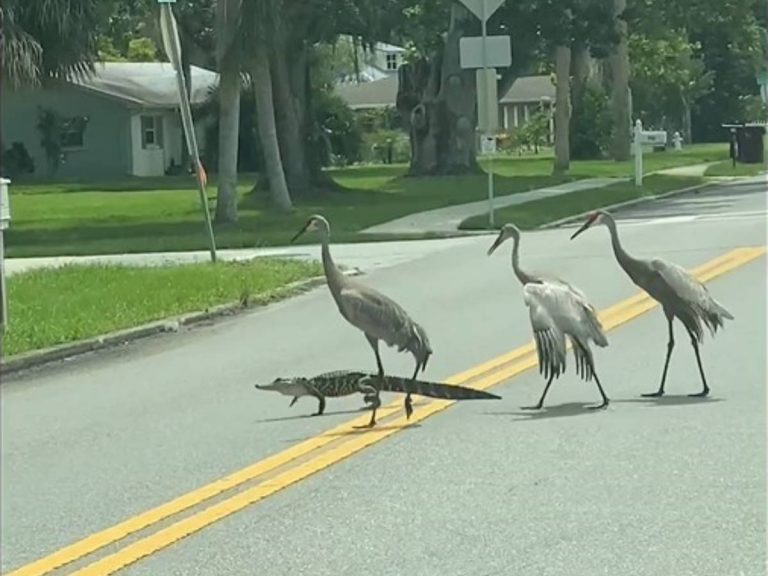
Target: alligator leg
x,y
293,401
320,405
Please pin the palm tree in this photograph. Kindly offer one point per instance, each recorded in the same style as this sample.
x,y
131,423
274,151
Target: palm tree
x,y
49,38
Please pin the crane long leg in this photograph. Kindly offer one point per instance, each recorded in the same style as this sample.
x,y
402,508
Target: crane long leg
x,y
320,405
377,402
705,389
602,392
670,347
408,401
541,400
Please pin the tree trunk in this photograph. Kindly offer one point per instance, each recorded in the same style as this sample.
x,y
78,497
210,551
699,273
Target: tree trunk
x,y
581,70
229,129
620,87
289,128
686,122
438,100
562,109
313,139
265,112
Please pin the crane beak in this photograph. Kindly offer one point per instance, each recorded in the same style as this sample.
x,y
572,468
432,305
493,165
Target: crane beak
x,y
584,226
496,243
300,232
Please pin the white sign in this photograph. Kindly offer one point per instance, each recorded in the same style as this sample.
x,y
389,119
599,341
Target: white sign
x,y
488,144
498,51
5,206
476,7
487,100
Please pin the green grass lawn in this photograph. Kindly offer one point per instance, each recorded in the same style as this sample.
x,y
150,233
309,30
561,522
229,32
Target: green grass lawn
x,y
726,168
537,212
59,305
163,214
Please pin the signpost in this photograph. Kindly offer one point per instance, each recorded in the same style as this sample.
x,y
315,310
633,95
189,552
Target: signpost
x,y
641,137
5,218
172,48
485,54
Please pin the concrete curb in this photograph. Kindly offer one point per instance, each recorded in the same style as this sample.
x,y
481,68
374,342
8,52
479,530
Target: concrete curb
x,y
37,358
582,215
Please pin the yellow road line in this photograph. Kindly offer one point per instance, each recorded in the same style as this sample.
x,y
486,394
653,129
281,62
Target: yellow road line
x,y
515,362
187,526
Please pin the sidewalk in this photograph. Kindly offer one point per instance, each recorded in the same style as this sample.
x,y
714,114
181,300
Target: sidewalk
x,y
447,219
366,256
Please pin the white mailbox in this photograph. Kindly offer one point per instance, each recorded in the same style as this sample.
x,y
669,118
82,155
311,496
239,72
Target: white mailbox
x,y
5,206
654,137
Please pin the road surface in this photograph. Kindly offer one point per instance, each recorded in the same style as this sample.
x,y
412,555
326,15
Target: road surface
x,y
672,486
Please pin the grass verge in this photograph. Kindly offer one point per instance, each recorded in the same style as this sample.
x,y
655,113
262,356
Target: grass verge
x,y
538,212
163,214
727,169
61,305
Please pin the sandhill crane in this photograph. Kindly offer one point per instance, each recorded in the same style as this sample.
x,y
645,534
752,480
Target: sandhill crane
x,y
556,309
376,315
681,295
508,231
556,312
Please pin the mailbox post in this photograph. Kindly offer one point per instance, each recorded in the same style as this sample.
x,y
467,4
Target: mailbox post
x,y
5,218
654,137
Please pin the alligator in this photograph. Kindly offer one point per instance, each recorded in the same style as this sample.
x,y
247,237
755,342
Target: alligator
x,y
346,382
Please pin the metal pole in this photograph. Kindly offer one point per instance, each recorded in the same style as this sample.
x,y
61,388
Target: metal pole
x,y
488,113
168,25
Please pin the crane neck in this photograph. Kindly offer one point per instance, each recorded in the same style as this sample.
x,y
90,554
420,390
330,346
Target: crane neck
x,y
333,275
522,276
624,259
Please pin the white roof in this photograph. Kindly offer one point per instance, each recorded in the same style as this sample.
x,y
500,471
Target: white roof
x,y
146,84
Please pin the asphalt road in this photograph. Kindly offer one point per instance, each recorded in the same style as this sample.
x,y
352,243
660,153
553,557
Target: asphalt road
x,y
670,487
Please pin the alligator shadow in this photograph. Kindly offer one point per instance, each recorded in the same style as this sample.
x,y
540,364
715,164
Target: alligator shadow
x,y
303,416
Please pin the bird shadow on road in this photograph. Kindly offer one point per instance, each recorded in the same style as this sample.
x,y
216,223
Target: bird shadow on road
x,y
670,400
556,411
358,431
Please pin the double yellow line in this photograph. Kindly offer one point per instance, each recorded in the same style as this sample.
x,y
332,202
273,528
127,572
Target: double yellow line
x,y
302,460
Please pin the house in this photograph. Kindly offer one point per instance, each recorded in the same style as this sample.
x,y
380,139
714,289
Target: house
x,y
121,120
378,64
526,96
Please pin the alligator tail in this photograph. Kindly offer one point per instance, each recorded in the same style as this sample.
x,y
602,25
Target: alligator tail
x,y
433,389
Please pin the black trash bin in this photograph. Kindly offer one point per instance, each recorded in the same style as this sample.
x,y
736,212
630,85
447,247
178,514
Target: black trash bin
x,y
749,142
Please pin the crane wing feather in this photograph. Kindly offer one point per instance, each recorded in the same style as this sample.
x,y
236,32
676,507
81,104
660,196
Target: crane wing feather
x,y
376,315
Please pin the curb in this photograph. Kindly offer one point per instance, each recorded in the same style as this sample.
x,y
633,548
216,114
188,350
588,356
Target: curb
x,y
580,216
38,358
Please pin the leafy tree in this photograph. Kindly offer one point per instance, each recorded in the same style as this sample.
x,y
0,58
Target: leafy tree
x,y
591,123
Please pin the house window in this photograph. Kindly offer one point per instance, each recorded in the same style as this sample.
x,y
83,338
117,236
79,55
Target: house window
x,y
73,132
151,131
391,60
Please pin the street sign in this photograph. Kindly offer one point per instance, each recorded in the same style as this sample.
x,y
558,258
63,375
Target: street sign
x,y
487,97
498,52
487,100
477,8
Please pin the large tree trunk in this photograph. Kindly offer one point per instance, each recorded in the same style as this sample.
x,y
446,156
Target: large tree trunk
x,y
562,109
620,87
228,56
287,113
438,100
315,142
581,70
229,131
265,111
